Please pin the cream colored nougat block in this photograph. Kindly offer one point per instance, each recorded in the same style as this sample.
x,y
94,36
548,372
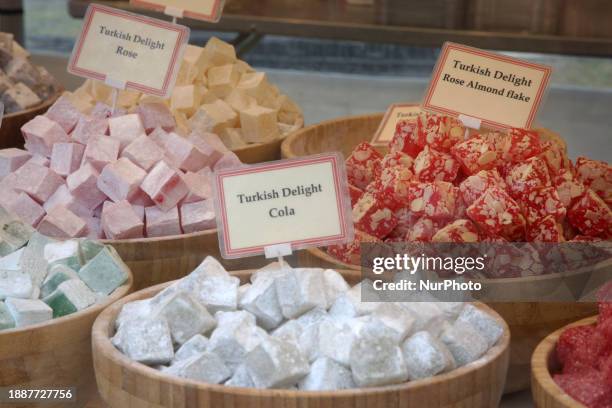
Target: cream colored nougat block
x,y
100,91
186,99
259,124
256,85
128,99
243,67
289,112
19,51
196,56
207,95
223,79
286,129
240,100
81,100
219,52
144,98
232,138
182,123
187,74
214,117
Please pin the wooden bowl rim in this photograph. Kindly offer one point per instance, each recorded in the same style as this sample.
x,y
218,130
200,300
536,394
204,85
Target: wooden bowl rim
x,y
539,364
106,321
95,309
159,239
43,105
281,139
319,253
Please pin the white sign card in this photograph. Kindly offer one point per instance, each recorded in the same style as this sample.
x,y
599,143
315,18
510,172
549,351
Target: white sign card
x,y
396,113
300,202
128,50
205,10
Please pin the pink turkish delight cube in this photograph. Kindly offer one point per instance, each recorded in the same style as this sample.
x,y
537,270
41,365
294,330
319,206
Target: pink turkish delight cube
x,y
198,216
37,181
155,115
199,185
120,221
162,223
520,145
474,186
529,175
475,154
63,197
103,111
27,209
591,216
89,127
41,133
40,160
568,188
439,132
164,186
364,165
62,223
64,113
100,151
547,229
372,217
143,152
83,185
11,159
94,228
596,175
66,158
121,180
405,138
460,231
437,200
229,160
208,144
185,154
540,203
497,214
432,165
126,129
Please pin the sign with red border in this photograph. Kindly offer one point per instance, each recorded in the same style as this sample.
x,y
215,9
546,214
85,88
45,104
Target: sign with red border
x,y
205,10
501,91
138,52
396,112
301,202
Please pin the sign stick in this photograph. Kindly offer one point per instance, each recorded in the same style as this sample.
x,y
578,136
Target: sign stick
x,y
115,95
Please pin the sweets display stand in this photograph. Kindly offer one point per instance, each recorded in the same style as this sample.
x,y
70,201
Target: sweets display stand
x,y
123,382
546,393
10,131
55,354
529,322
261,152
158,260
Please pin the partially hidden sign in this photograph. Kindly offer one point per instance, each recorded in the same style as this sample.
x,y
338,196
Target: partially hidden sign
x,y
130,50
301,202
206,10
396,113
501,91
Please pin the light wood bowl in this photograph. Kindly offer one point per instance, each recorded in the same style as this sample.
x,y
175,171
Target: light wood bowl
x,y
10,131
124,383
546,393
262,152
529,322
158,260
55,354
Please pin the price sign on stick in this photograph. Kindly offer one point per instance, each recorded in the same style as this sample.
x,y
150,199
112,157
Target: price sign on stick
x,y
396,113
205,10
280,206
478,86
129,51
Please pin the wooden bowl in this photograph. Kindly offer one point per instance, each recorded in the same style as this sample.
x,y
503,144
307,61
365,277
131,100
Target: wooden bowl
x,y
546,393
529,322
158,260
124,383
262,152
10,131
54,354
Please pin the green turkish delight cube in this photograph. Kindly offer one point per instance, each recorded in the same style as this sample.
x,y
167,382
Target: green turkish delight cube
x,y
105,272
70,297
6,320
57,275
64,253
89,249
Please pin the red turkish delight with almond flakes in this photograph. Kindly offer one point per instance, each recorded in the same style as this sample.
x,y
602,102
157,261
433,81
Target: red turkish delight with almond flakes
x,y
521,144
541,203
424,229
355,194
555,157
527,176
436,200
547,229
568,187
392,188
457,231
432,165
350,253
439,132
591,216
597,176
372,217
498,214
405,138
405,222
474,186
364,165
397,159
475,154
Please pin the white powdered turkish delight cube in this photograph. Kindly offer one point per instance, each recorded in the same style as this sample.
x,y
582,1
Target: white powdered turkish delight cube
x,y
487,325
300,290
377,361
426,356
276,364
27,312
186,317
147,341
327,375
206,367
261,300
464,342
241,378
195,345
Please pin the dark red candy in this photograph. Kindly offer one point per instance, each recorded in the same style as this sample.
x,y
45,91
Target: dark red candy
x,y
587,387
572,339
